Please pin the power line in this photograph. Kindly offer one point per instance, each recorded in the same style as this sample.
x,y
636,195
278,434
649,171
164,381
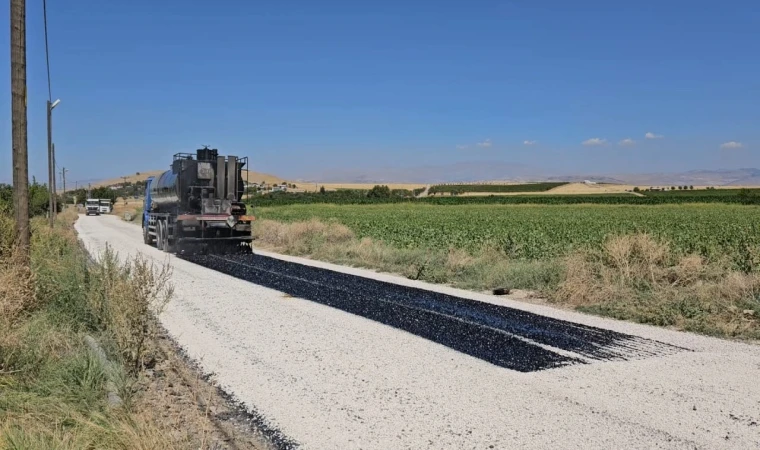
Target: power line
x,y
47,54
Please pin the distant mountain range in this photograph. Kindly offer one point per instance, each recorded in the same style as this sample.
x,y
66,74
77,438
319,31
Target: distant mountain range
x,y
445,173
502,171
718,177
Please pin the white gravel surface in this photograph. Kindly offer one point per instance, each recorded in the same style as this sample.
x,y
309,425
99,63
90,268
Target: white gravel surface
x,y
331,380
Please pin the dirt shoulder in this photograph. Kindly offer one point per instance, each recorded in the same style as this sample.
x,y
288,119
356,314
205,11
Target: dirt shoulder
x,y
173,395
197,412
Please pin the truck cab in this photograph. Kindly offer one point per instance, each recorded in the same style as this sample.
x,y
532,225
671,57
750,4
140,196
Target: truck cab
x,y
105,206
92,206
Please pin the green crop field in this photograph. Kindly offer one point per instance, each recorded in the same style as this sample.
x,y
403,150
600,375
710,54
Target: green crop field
x,y
540,231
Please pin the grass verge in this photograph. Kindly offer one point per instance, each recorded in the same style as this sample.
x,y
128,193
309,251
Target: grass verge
x,y
337,243
52,387
631,277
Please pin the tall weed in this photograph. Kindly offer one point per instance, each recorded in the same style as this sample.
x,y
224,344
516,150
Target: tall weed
x,y
126,297
636,277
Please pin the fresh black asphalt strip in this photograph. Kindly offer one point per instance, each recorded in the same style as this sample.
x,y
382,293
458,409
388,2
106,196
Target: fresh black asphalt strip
x,y
507,337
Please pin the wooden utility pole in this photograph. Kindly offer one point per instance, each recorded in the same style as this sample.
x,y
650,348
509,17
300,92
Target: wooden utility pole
x,y
19,124
55,189
63,178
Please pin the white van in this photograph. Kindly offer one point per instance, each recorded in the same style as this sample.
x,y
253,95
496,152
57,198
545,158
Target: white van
x,y
92,206
105,206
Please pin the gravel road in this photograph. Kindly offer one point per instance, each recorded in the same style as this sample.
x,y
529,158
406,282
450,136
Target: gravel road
x,y
293,346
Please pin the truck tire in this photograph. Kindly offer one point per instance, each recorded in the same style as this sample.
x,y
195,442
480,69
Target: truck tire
x,y
168,245
160,234
147,238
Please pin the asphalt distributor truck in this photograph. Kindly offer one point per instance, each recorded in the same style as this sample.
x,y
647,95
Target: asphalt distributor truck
x,y
197,207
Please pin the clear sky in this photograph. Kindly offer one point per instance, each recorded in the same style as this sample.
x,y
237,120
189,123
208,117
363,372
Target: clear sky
x,y
306,86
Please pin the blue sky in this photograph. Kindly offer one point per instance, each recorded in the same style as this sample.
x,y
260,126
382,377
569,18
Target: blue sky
x,y
301,87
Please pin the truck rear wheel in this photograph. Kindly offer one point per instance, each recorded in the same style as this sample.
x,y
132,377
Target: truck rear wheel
x,y
160,234
168,244
147,238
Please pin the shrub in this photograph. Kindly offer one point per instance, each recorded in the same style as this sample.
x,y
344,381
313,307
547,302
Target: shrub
x,y
379,192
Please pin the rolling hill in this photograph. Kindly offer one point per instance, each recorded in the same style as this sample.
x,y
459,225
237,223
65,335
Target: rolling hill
x,y
420,176
253,177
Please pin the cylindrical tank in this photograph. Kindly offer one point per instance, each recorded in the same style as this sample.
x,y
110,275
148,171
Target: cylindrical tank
x,y
164,192
189,186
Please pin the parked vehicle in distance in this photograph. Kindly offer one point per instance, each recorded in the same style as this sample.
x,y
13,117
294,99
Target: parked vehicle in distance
x,y
105,206
92,206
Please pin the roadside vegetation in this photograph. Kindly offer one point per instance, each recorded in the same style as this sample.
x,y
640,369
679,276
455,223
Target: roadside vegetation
x,y
383,195
54,390
693,267
38,198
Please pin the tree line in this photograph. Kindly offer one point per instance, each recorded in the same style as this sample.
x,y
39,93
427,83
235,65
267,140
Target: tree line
x,y
39,197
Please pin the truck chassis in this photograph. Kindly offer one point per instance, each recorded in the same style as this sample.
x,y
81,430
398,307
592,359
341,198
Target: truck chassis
x,y
189,234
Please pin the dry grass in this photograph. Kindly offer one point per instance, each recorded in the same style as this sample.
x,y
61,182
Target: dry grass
x,y
16,288
57,425
302,237
638,278
585,189
254,177
124,205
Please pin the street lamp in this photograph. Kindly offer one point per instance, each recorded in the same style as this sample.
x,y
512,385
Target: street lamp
x,y
52,203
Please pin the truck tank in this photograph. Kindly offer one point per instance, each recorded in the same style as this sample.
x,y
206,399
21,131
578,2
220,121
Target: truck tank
x,y
204,183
